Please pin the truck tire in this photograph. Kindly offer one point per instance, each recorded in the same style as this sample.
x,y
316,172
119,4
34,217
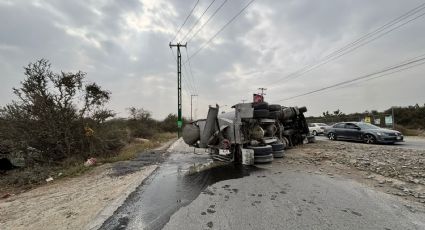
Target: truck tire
x,y
277,147
261,105
274,114
278,154
275,107
263,159
261,113
261,150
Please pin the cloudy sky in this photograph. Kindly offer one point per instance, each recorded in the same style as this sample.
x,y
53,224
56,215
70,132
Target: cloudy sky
x,y
123,46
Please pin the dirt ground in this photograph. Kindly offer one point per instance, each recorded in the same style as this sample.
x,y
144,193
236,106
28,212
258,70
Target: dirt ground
x,y
81,202
396,171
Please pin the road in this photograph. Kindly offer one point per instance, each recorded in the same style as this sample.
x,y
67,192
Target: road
x,y
190,192
409,142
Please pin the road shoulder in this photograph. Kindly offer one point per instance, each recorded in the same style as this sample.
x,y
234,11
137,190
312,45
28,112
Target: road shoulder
x,y
82,202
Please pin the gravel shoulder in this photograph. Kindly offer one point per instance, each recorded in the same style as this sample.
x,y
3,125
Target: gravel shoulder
x,y
394,170
82,202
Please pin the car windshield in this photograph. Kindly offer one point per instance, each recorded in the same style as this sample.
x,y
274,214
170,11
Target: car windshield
x,y
367,126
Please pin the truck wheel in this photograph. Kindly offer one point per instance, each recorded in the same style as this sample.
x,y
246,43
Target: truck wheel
x,y
261,105
277,146
274,114
261,113
261,150
278,154
275,107
263,159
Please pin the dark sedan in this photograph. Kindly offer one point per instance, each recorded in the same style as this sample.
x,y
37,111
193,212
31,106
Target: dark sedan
x,y
360,131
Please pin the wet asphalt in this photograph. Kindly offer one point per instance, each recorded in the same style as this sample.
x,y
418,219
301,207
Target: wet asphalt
x,y
176,183
189,191
278,198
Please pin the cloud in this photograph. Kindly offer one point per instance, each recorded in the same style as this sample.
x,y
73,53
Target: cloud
x,y
123,45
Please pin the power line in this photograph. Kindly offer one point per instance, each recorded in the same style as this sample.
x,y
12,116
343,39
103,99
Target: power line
x,y
191,72
381,28
357,43
379,76
197,21
208,20
190,13
188,82
356,47
195,91
220,30
186,85
386,71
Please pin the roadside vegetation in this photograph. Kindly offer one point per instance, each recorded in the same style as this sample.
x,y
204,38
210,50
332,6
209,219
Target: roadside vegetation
x,y
410,120
58,121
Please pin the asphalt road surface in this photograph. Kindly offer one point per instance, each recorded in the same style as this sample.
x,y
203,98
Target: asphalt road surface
x,y
409,142
190,192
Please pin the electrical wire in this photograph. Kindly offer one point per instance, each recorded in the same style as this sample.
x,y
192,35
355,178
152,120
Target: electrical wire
x,y
197,21
190,13
187,86
191,71
381,28
357,43
384,72
379,76
220,30
208,20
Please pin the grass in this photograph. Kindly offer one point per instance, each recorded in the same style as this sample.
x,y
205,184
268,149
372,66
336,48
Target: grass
x,y
75,170
408,132
129,151
31,177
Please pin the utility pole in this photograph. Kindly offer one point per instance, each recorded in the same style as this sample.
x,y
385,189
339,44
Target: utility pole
x,y
262,91
191,97
179,86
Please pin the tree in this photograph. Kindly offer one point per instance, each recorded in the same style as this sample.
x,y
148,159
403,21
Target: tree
x,y
139,114
337,112
169,124
52,111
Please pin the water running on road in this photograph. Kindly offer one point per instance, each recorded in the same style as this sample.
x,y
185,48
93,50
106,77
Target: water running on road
x,y
176,183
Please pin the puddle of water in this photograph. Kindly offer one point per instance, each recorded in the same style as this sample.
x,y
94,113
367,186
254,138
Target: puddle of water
x,y
176,183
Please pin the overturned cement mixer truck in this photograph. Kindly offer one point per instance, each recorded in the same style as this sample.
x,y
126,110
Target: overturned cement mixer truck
x,y
251,133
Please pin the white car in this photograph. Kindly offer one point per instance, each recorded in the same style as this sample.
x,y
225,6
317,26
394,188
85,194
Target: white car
x,y
317,128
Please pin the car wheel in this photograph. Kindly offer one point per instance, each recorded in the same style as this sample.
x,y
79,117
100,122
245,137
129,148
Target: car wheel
x,y
332,136
314,133
369,139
